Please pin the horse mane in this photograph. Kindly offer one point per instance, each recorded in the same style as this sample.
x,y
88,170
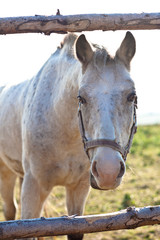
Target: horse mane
x,y
69,39
67,44
1,88
101,55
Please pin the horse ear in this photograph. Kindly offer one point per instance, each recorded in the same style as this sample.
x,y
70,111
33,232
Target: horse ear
x,y
127,49
84,50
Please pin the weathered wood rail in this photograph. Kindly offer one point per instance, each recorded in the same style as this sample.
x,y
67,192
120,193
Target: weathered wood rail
x,y
129,218
79,23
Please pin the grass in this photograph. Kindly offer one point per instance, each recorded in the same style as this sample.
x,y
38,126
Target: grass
x,y
140,187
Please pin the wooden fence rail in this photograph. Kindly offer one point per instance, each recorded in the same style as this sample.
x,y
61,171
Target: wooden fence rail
x,y
79,23
126,219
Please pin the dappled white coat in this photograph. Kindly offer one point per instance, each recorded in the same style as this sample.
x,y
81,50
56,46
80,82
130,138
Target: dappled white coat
x,y
39,134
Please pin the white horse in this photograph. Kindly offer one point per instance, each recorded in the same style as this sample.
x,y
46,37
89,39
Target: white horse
x,y
40,139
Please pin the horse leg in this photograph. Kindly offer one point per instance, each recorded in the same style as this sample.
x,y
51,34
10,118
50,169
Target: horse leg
x,y
75,199
7,183
32,198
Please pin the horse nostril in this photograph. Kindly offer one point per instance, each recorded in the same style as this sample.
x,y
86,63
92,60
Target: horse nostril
x,y
94,169
122,170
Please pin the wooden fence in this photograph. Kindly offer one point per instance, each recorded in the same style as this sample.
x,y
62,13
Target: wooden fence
x,y
79,23
126,219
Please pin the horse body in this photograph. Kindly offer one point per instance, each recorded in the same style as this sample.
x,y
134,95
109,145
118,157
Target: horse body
x,y
39,134
10,115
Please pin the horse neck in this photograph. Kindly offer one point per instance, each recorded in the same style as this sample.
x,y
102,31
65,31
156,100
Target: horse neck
x,y
66,103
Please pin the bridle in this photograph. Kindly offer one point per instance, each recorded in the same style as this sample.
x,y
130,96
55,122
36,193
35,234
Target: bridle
x,y
88,144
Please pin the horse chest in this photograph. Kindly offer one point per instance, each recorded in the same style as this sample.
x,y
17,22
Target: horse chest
x,y
57,164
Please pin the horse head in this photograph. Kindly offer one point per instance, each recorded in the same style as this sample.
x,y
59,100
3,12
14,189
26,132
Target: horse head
x,y
107,103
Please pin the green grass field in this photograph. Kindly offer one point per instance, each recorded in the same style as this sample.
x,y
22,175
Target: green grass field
x,y
140,187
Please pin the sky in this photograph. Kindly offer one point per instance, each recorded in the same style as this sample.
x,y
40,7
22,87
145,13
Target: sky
x,y
22,55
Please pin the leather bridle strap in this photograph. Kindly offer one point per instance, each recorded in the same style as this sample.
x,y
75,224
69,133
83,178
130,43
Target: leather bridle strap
x,y
104,143
88,144
133,131
81,125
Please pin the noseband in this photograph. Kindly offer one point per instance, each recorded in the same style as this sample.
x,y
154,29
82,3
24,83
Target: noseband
x,y
88,144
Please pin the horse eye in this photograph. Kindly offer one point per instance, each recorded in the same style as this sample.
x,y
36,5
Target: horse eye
x,y
81,99
132,97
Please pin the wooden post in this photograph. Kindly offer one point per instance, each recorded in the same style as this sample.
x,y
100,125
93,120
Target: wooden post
x,y
126,219
79,23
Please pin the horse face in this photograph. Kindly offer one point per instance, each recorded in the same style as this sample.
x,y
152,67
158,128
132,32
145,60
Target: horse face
x,y
107,94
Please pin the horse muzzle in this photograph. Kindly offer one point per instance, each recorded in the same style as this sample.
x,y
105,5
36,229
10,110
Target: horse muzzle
x,y
94,184
106,173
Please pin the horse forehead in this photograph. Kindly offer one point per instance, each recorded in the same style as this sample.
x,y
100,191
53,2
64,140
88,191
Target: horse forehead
x,y
116,72
110,81
111,71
